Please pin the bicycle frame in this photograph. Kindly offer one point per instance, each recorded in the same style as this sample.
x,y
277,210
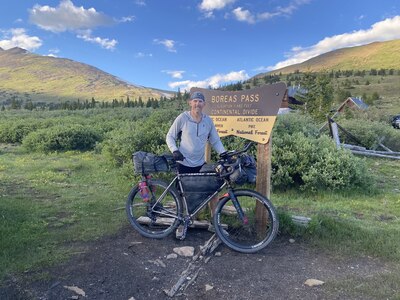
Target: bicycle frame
x,y
203,203
186,214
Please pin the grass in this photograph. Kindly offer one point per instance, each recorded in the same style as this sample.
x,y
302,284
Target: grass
x,y
353,222
378,286
387,87
51,203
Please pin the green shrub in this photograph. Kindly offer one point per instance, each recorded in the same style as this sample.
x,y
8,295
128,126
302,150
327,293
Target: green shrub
x,y
14,131
147,135
370,133
62,138
295,122
315,163
371,114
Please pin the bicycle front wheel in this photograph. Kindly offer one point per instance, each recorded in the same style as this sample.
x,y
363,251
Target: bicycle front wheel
x,y
249,226
157,217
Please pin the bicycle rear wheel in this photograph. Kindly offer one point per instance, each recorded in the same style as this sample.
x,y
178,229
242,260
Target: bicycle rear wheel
x,y
255,230
157,217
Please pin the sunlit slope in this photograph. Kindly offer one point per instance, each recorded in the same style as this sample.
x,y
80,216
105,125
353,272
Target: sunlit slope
x,y
42,78
379,55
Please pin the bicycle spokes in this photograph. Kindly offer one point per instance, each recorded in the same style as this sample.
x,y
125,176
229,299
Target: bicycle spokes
x,y
249,220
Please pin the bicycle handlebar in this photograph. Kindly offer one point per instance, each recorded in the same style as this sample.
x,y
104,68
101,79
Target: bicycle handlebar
x,y
229,167
230,154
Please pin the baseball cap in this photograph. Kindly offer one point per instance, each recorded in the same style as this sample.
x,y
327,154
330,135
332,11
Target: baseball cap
x,y
197,96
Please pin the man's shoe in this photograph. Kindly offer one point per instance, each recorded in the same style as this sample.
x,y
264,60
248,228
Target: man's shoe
x,y
179,232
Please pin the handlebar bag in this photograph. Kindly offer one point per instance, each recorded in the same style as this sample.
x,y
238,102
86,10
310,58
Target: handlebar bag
x,y
249,165
246,172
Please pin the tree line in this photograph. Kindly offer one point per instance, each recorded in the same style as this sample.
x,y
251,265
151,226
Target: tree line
x,y
15,104
318,100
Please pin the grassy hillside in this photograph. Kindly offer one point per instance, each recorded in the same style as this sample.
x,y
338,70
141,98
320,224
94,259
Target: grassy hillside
x,y
387,87
27,76
378,55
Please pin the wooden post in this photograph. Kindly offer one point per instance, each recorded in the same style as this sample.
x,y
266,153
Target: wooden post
x,y
263,183
335,134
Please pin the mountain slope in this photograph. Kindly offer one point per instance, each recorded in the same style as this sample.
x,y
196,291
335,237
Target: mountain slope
x,y
378,55
27,76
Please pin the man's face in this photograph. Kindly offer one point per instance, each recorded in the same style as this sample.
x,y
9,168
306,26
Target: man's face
x,y
196,105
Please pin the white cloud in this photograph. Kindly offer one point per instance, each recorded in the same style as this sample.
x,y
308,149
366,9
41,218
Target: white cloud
x,y
178,74
103,42
210,5
53,52
67,17
142,55
385,30
213,81
17,37
168,44
140,2
127,19
293,6
244,15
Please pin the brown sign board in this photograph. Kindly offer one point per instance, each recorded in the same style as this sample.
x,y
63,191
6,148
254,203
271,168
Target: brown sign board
x,y
249,114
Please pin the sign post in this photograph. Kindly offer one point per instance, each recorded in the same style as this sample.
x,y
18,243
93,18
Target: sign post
x,y
249,114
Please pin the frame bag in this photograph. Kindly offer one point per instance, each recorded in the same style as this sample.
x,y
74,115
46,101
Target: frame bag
x,y
199,186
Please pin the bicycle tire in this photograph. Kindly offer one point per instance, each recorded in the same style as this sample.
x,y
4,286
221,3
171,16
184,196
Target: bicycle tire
x,y
154,221
252,236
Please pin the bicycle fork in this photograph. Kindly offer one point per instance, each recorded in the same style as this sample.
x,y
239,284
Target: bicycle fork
x,y
238,208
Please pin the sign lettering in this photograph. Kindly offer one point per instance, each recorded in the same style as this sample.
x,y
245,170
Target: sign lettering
x,y
249,114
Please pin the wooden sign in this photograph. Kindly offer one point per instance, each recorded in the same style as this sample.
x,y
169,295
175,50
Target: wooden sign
x,y
249,114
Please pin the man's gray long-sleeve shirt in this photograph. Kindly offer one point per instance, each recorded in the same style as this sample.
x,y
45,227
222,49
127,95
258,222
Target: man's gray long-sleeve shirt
x,y
194,138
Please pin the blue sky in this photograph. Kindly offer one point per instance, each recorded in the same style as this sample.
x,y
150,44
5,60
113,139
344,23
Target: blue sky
x,y
177,44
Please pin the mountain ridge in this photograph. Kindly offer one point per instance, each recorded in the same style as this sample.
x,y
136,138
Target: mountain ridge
x,y
376,55
29,76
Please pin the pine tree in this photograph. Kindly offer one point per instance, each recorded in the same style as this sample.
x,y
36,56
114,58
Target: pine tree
x,y
140,102
318,95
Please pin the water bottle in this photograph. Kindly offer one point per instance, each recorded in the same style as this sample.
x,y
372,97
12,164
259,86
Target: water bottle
x,y
144,191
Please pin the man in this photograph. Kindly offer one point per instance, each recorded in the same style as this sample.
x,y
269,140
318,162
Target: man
x,y
195,129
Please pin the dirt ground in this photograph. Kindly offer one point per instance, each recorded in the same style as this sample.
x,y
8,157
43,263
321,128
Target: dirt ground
x,y
128,266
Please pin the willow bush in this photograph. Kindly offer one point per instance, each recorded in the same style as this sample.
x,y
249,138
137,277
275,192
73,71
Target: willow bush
x,y
62,138
302,159
371,133
145,135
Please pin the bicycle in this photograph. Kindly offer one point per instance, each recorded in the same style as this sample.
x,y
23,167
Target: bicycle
x,y
244,220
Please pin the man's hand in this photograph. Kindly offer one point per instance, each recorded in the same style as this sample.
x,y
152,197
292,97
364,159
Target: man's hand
x,y
178,155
